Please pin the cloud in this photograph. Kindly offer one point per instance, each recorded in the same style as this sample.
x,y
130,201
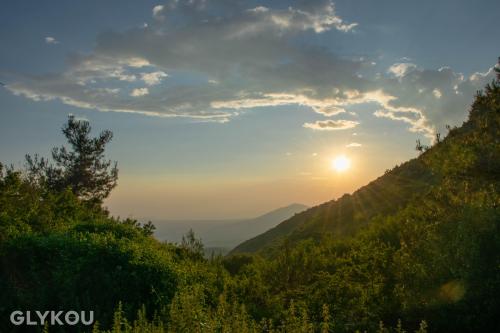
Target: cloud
x,y
226,56
417,121
51,40
429,99
138,92
153,78
437,93
329,109
245,57
157,12
320,19
401,69
324,106
354,145
331,125
259,9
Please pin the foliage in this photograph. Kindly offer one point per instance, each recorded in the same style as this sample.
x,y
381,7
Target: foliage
x,y
83,169
192,245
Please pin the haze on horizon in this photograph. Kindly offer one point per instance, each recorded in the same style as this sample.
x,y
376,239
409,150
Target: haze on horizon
x,y
225,109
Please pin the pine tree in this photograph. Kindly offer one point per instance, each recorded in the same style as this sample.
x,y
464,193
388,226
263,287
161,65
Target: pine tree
x,y
82,168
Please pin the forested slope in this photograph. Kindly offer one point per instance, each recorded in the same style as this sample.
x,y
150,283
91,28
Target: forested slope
x,y
434,255
344,216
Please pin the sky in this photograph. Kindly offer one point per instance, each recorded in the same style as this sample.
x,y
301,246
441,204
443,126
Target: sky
x,y
229,109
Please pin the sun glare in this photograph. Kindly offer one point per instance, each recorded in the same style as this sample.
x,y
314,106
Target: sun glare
x,y
341,163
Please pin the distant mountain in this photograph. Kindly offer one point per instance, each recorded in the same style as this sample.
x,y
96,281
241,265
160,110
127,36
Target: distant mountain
x,y
222,235
346,215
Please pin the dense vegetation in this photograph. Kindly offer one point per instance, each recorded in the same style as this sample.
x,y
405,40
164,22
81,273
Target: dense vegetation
x,y
418,248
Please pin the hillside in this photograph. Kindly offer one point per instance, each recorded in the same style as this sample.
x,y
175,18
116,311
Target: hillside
x,y
344,216
225,234
425,241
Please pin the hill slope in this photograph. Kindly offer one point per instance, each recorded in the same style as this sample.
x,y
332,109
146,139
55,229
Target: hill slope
x,y
347,214
431,250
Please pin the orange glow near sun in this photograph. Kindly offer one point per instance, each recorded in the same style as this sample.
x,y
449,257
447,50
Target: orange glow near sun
x,y
341,163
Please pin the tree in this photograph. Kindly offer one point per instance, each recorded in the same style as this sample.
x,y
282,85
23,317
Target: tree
x,y
147,229
192,245
419,147
82,168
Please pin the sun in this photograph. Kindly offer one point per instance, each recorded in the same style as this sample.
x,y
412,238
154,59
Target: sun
x,y
341,163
